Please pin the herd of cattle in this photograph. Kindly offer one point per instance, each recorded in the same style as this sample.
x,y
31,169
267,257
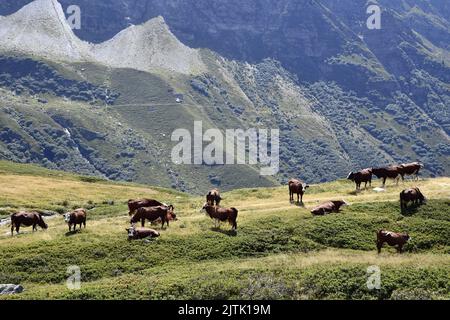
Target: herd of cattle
x,y
142,210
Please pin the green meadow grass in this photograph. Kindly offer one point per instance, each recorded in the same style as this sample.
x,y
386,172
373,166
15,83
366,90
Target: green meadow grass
x,y
280,251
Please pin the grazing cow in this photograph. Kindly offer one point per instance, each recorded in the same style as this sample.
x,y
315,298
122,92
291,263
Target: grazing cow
x,y
328,207
361,176
213,196
76,217
393,239
27,219
222,214
133,205
413,195
141,233
410,169
165,213
392,172
297,187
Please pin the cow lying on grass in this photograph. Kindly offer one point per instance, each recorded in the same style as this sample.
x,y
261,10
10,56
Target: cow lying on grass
x,y
328,207
141,233
393,239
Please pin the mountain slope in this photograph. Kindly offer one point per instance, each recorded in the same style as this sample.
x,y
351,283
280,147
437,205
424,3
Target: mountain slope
x,y
109,109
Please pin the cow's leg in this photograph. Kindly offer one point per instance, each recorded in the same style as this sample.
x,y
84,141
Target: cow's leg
x,y
143,223
12,229
384,182
34,227
301,198
17,228
84,223
379,246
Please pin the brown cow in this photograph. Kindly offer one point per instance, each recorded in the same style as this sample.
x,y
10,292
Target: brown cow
x,y
222,214
361,176
213,196
133,205
392,172
165,213
141,233
297,187
410,169
76,217
393,239
413,195
27,219
328,207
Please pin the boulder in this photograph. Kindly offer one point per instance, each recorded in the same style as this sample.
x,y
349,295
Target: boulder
x,y
10,289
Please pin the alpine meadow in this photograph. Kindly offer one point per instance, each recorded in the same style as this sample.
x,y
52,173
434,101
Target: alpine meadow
x,y
224,150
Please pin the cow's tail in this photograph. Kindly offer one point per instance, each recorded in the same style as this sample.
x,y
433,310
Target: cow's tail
x,y
234,218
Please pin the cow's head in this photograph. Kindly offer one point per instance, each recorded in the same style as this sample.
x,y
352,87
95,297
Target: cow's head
x,y
407,237
171,216
306,186
420,195
131,232
42,223
205,206
67,217
351,176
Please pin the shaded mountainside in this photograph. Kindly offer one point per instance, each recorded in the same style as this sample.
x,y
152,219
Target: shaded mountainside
x,y
343,96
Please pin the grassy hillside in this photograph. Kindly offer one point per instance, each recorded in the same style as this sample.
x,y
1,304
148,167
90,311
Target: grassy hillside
x,y
279,251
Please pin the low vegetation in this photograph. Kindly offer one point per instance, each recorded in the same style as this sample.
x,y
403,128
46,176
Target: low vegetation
x,y
280,251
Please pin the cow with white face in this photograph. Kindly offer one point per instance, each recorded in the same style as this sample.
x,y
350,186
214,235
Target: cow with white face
x,y
76,217
141,233
297,187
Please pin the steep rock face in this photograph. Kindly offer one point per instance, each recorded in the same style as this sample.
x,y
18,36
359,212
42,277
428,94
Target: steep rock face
x,y
40,29
149,47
